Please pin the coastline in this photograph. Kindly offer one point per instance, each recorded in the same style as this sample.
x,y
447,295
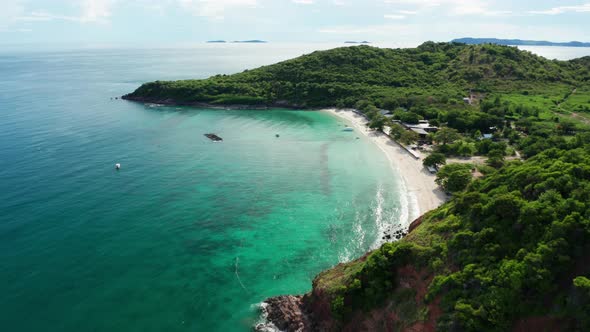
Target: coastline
x,y
422,193
236,107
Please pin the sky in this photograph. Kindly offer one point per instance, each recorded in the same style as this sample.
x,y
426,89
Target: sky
x,y
163,22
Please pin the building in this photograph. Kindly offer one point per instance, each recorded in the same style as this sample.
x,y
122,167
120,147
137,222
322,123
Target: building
x,y
422,125
423,134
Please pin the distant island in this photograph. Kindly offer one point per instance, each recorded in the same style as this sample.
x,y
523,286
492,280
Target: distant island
x,y
357,42
254,41
518,42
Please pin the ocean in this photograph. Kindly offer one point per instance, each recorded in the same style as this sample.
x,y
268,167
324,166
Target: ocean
x,y
189,235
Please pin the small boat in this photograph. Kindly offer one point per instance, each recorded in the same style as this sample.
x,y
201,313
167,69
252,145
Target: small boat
x,y
277,135
214,137
348,129
117,166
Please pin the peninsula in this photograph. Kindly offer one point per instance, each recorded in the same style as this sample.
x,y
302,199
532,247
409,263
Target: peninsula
x,y
508,132
357,42
518,42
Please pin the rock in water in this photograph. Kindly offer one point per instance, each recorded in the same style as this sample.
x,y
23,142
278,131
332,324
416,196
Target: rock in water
x,y
284,313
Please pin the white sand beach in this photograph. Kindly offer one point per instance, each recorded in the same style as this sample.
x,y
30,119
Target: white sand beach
x,y
423,193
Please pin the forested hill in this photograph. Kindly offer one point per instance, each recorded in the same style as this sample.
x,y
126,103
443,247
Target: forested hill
x,y
440,72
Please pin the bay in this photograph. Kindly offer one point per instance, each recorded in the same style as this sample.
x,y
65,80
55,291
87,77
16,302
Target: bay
x,y
189,235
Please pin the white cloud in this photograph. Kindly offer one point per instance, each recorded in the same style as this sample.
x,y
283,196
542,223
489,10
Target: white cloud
x,y
100,11
303,2
91,11
584,8
408,12
10,10
96,10
416,3
374,30
400,14
216,9
394,17
452,7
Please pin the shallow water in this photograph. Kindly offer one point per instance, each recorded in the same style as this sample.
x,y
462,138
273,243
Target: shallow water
x,y
189,235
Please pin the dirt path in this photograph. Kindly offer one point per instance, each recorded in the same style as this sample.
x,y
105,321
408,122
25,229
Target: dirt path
x,y
573,115
566,98
580,117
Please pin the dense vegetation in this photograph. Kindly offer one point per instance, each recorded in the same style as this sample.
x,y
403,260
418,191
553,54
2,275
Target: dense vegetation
x,y
427,76
514,244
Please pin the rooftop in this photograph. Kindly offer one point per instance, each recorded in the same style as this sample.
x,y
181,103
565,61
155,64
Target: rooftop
x,y
419,131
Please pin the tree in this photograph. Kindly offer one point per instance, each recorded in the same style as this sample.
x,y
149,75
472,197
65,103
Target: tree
x,y
465,149
390,103
396,131
495,159
454,177
579,301
457,181
434,160
407,117
408,137
446,136
377,122
566,127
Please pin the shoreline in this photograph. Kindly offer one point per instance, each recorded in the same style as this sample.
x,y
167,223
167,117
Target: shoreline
x,y
232,107
422,194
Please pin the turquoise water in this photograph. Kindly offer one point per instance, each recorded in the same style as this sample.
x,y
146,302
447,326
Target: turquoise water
x,y
190,235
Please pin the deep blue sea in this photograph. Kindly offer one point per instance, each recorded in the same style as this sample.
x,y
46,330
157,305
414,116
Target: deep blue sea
x,y
189,235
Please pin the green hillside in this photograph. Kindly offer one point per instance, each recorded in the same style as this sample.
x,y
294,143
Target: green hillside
x,y
437,73
515,245
511,250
